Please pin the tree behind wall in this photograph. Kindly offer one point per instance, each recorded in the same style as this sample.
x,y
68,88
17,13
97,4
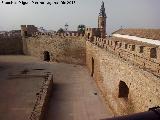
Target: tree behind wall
x,y
60,31
81,28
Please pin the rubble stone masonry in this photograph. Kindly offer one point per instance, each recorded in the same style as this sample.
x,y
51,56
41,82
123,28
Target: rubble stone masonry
x,y
110,70
126,72
69,49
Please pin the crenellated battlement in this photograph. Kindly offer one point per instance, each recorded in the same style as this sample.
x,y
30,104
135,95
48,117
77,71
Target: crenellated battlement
x,y
58,34
32,31
69,48
144,55
90,32
28,30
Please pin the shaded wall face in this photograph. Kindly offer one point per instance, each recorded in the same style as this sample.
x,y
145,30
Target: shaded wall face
x,y
10,45
140,91
61,49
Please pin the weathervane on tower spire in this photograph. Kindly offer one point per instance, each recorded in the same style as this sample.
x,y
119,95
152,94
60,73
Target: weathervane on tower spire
x,y
102,21
102,10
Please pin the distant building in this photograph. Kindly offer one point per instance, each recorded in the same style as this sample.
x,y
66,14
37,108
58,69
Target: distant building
x,y
28,30
101,30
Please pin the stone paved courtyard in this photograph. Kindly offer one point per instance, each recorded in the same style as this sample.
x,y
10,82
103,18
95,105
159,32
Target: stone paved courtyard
x,y
74,97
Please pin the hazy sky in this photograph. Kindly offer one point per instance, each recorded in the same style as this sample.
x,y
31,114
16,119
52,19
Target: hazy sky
x,y
126,13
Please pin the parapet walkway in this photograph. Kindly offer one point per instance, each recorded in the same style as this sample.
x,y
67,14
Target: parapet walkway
x,y
75,96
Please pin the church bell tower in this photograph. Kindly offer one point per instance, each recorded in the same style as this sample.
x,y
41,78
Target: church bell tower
x,y
102,21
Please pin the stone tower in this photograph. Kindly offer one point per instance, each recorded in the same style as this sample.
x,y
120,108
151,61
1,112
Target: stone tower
x,y
102,21
28,30
23,30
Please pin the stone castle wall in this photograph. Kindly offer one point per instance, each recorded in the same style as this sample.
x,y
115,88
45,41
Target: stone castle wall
x,y
10,45
146,56
111,61
69,49
109,70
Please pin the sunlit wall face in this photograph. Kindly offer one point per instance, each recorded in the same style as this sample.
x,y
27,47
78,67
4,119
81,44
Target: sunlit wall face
x,y
125,13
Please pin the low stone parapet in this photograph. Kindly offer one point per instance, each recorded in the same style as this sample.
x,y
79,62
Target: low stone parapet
x,y
42,98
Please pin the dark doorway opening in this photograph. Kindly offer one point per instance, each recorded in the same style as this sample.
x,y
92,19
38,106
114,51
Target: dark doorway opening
x,y
92,67
88,35
123,90
46,56
153,53
25,33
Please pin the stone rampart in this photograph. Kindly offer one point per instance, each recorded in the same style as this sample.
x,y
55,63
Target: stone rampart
x,y
125,87
61,48
146,56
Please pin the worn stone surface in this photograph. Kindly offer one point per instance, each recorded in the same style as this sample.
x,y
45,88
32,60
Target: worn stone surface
x,y
109,70
75,95
18,89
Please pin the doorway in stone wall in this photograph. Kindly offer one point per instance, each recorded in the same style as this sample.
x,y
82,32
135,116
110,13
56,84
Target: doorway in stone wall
x,y
123,90
92,72
25,33
46,56
88,35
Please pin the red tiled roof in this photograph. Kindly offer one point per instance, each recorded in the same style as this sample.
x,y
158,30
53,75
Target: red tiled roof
x,y
143,33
